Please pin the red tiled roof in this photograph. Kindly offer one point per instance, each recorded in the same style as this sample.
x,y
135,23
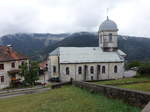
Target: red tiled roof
x,y
7,54
42,65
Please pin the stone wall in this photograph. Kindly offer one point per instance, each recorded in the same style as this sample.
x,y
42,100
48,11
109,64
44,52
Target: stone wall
x,y
58,85
136,98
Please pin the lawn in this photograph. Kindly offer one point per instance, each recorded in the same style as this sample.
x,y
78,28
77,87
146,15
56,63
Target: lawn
x,y
65,99
140,86
125,80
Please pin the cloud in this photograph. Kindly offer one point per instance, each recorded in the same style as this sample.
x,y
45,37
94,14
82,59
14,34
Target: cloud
x,y
57,16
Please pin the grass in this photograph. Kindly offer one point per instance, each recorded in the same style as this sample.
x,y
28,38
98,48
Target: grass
x,y
65,99
142,86
139,86
125,80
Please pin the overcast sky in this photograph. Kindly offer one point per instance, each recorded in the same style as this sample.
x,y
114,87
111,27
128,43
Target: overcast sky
x,y
60,16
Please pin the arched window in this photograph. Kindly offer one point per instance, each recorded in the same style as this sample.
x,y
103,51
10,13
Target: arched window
x,y
92,69
80,70
110,37
54,69
67,71
103,69
115,69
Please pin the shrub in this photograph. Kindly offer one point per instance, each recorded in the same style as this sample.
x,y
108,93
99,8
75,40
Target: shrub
x,y
133,64
144,68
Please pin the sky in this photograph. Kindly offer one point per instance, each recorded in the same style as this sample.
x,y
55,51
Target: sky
x,y
68,16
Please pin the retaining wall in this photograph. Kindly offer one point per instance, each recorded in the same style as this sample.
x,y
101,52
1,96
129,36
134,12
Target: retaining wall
x,y
136,98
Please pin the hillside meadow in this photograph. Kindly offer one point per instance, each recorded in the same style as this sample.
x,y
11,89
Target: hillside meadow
x,y
64,99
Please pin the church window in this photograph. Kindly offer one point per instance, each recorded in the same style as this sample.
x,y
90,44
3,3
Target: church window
x,y
54,69
110,37
67,71
103,69
92,69
80,70
115,69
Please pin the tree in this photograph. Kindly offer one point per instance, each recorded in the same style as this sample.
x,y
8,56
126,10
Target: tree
x,y
133,64
30,72
144,69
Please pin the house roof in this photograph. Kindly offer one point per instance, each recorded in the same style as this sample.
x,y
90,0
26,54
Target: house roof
x,y
43,65
86,54
7,54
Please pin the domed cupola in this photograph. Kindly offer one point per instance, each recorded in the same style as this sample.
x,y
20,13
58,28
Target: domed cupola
x,y
108,25
108,33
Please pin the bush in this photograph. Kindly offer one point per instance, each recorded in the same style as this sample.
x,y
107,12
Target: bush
x,y
133,64
144,68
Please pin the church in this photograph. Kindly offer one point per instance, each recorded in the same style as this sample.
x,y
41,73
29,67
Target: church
x,y
90,63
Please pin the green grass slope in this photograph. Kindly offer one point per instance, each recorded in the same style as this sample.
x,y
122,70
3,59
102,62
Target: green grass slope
x,y
65,99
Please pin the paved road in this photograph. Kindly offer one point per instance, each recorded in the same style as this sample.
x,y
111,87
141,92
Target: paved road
x,y
24,92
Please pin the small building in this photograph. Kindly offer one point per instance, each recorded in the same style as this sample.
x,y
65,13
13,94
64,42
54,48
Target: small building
x,y
43,72
10,61
90,63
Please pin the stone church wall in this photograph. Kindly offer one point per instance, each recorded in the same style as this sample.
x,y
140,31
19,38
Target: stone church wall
x,y
53,61
74,74
106,36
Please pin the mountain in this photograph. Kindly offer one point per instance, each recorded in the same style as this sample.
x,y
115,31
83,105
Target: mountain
x,y
37,46
31,44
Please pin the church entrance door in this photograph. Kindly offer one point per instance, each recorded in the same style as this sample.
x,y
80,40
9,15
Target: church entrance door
x,y
98,72
85,72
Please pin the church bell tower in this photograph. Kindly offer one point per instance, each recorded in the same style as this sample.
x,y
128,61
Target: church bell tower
x,y
108,36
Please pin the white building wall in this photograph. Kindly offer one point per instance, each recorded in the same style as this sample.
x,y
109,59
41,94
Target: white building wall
x,y
53,61
72,73
104,37
109,71
120,70
104,76
79,77
7,67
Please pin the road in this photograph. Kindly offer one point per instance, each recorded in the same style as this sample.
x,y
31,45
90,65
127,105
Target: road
x,y
12,93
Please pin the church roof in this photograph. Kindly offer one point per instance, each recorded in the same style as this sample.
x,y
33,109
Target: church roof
x,y
108,25
86,55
